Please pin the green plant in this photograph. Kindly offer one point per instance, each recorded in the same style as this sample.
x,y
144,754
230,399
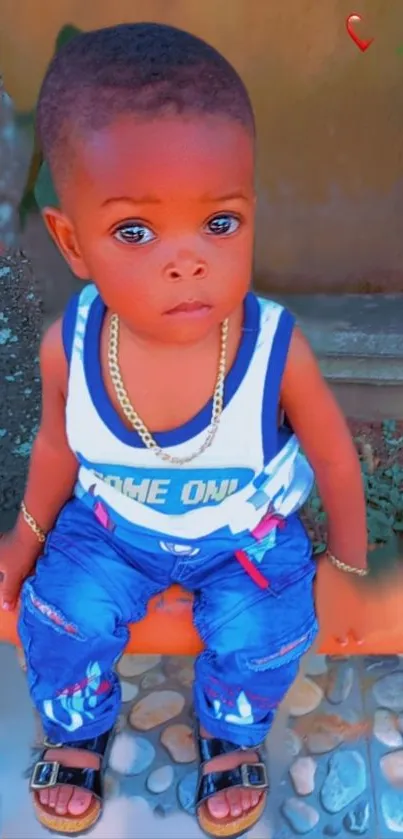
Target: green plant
x,y
383,485
384,489
39,190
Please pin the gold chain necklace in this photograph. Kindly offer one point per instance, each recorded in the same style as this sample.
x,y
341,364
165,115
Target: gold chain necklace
x,y
132,415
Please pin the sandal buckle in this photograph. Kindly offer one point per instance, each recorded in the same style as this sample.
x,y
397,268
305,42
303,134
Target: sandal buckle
x,y
45,775
49,745
254,776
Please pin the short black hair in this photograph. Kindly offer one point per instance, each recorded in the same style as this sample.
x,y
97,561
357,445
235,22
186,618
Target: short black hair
x,y
143,68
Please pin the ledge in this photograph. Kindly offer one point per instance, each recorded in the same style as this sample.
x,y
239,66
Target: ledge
x,y
357,338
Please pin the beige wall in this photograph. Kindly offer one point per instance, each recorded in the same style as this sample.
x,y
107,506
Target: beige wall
x,y
330,121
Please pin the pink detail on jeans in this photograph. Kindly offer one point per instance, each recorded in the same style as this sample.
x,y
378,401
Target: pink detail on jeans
x,y
266,525
251,569
103,687
101,514
53,614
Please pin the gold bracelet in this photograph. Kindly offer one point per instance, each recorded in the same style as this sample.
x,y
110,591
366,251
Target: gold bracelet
x,y
30,521
348,569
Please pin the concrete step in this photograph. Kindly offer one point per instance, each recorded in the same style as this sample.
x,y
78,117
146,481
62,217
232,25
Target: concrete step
x,y
359,342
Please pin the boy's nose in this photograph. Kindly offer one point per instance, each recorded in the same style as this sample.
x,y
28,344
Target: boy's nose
x,y
186,268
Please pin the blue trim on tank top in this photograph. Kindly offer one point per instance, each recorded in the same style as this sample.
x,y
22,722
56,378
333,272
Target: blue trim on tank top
x,y
69,325
272,440
197,424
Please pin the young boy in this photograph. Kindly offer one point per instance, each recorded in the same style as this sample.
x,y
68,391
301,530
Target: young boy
x,y
161,456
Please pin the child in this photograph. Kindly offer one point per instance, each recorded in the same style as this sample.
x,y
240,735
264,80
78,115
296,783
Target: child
x,y
160,456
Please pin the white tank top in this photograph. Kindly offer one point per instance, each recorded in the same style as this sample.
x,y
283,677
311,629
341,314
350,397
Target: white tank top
x,y
252,468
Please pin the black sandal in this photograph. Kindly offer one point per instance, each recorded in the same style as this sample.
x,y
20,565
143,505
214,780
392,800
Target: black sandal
x,y
48,774
247,775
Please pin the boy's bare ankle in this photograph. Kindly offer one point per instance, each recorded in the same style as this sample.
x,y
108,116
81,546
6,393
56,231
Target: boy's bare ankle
x,y
79,758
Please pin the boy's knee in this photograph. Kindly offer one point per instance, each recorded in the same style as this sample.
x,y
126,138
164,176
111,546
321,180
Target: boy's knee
x,y
251,647
281,656
265,633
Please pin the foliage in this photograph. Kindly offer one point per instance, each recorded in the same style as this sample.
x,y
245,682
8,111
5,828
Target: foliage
x,y
383,491
39,190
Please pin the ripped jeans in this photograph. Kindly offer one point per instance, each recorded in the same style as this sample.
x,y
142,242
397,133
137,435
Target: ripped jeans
x,y
89,585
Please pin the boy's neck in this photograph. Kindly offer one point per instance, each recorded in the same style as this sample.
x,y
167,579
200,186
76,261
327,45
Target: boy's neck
x,y
145,344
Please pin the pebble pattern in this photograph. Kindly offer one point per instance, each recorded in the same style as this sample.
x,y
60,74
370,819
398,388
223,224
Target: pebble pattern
x,y
345,725
385,694
327,789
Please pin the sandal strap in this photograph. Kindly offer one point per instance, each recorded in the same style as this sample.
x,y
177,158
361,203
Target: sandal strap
x,y
212,747
97,745
49,774
247,775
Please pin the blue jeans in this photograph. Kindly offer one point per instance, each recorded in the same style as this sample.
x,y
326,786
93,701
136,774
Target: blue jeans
x,y
89,585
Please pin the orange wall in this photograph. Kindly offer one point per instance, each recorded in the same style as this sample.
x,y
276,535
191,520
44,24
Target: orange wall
x,y
330,121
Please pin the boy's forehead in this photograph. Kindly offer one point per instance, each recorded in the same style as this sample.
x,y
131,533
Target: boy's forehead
x,y
141,157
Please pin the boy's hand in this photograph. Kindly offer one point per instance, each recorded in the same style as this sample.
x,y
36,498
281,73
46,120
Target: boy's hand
x,y
340,604
17,560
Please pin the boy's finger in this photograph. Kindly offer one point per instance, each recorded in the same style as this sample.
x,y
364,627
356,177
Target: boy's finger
x,y
342,641
351,637
9,593
355,637
8,601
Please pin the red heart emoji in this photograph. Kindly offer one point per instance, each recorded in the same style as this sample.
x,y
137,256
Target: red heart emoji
x,y
351,20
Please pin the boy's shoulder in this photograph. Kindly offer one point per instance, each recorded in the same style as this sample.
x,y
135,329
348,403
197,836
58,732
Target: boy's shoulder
x,y
79,304
272,308
75,315
83,297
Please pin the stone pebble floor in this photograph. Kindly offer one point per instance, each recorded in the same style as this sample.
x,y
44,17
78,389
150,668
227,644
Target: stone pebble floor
x,y
343,746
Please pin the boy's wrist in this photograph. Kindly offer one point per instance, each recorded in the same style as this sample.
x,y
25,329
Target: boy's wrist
x,y
26,537
357,569
32,523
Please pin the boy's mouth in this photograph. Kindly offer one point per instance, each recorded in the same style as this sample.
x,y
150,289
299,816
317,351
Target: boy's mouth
x,y
189,307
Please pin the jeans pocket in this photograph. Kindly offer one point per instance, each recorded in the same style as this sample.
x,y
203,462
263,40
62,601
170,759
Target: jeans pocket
x,y
280,582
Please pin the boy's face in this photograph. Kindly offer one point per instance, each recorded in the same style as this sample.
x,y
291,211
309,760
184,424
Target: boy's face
x,y
159,214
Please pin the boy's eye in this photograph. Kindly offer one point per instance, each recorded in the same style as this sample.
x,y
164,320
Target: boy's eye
x,y
223,225
134,234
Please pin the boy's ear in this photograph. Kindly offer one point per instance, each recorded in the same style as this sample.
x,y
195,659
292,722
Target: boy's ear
x,y
62,233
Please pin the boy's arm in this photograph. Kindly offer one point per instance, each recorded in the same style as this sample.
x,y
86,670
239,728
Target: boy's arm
x,y
325,439
53,466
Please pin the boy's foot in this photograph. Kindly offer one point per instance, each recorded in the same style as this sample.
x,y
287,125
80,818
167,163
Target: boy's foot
x,y
232,802
68,800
